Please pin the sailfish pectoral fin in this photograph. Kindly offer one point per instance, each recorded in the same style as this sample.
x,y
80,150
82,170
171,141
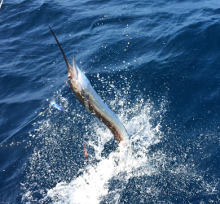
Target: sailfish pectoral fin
x,y
76,72
86,100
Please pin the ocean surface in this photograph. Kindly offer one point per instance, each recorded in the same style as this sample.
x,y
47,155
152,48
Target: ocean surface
x,y
156,64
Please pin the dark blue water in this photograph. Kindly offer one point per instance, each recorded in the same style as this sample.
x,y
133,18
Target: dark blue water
x,y
155,64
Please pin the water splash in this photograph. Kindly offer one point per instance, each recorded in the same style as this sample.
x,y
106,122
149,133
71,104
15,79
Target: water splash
x,y
58,171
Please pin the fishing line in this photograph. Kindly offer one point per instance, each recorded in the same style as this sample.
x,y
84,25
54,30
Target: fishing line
x,y
40,114
52,104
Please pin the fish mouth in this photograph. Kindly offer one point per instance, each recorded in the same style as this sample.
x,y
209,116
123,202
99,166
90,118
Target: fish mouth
x,y
71,72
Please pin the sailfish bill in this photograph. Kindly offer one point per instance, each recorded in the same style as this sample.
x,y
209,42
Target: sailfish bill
x,y
91,100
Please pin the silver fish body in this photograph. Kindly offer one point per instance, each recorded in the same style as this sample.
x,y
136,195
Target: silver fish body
x,y
91,100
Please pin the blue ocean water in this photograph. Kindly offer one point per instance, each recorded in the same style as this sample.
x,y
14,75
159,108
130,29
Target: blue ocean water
x,y
155,64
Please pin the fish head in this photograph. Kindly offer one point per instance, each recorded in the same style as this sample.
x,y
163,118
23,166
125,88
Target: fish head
x,y
73,76
77,79
79,84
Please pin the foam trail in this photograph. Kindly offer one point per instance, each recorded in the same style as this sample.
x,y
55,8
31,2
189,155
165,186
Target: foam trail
x,y
93,185
87,188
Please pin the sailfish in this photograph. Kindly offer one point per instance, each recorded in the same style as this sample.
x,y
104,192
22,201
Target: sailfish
x,y
88,97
